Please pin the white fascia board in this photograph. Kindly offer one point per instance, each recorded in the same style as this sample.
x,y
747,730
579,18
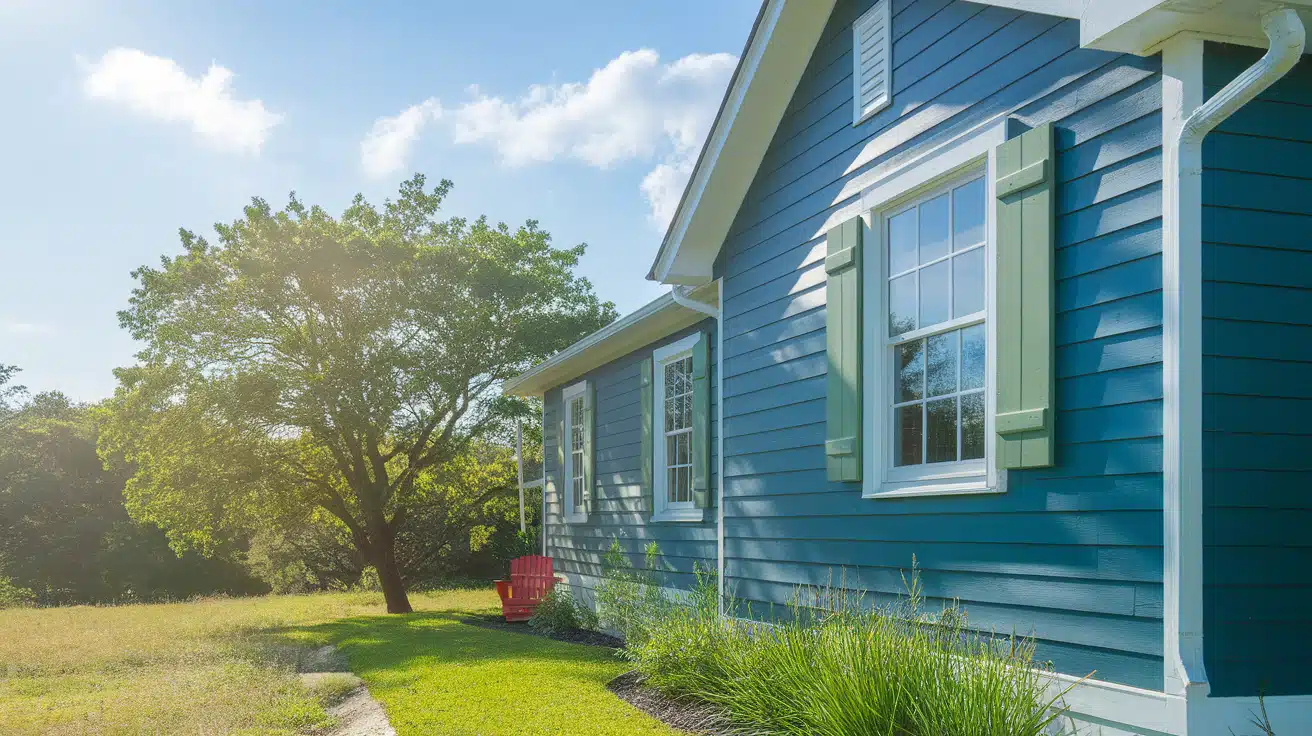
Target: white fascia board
x,y
1062,8
1142,26
773,63
658,318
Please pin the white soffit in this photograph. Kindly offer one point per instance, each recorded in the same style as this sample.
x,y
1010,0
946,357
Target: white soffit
x,y
659,318
1140,26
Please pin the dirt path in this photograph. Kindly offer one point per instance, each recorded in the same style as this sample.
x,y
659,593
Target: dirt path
x,y
356,712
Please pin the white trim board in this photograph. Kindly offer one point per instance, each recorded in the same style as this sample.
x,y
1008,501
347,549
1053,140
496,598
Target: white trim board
x,y
658,318
940,165
778,51
1182,466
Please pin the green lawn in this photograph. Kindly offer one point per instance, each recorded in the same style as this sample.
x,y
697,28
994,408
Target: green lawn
x,y
227,667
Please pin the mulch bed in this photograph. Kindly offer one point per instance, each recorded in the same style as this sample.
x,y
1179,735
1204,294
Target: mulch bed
x,y
574,636
693,717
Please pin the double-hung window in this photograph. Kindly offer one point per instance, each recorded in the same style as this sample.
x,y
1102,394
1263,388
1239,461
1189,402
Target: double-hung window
x,y
931,401
575,474
673,432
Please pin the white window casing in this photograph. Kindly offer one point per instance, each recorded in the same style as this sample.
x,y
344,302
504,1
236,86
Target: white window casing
x,y
672,430
573,404
872,69
965,168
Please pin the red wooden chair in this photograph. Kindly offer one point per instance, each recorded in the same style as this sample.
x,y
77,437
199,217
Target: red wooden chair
x,y
531,578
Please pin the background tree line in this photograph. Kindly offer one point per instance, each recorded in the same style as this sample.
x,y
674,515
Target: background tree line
x,y
317,400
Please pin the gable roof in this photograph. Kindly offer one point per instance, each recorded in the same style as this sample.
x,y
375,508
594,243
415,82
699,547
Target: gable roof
x,y
778,49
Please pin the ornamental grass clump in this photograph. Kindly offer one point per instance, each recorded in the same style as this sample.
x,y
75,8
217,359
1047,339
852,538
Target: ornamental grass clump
x,y
831,666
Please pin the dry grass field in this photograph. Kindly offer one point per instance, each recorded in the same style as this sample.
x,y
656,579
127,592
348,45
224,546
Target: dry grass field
x,y
227,666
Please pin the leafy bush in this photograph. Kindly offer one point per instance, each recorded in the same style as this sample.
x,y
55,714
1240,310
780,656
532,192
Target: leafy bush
x,y
559,612
12,596
832,666
630,600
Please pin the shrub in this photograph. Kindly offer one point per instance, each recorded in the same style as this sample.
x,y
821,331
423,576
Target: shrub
x,y
630,600
559,612
832,666
13,596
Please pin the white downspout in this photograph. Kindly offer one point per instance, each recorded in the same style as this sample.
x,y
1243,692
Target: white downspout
x,y
682,296
1182,323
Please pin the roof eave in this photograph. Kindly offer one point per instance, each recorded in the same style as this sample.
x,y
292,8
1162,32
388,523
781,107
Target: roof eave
x,y
781,42
657,319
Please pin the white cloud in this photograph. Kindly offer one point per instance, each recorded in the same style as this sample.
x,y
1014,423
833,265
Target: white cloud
x,y
633,109
385,149
160,88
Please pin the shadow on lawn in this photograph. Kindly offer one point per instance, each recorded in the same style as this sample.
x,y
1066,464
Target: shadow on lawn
x,y
396,644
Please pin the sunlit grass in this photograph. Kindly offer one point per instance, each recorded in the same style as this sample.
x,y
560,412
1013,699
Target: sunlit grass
x,y
227,666
207,666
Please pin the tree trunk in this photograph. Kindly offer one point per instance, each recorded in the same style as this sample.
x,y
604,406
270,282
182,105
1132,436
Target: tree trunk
x,y
389,575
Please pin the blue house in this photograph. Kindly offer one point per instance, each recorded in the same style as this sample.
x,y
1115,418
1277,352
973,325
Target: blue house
x,y
1020,288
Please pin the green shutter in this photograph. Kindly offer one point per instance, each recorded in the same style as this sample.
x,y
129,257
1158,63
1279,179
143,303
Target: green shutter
x,y
1026,309
589,481
645,399
701,422
843,343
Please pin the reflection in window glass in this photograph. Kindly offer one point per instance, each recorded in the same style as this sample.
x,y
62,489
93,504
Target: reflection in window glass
x,y
576,427
678,430
937,276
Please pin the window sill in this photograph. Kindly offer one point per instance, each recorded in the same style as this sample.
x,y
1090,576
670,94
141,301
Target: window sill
x,y
680,515
576,518
933,488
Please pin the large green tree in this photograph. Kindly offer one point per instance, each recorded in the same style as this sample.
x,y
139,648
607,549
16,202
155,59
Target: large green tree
x,y
305,360
64,533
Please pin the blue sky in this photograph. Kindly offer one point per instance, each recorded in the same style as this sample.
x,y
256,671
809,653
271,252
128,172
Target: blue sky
x,y
127,120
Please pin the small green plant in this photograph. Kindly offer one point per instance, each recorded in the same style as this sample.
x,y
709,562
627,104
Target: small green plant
x,y
831,665
559,612
14,596
630,600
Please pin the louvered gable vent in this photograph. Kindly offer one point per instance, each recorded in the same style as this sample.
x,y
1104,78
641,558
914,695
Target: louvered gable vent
x,y
872,75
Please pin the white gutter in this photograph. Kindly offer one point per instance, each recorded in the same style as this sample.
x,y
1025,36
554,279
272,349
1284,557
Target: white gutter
x,y
682,296
1182,509
1286,35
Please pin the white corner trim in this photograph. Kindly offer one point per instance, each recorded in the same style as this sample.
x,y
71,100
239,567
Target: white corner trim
x,y
1182,548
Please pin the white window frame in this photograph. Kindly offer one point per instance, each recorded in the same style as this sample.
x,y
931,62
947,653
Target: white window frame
x,y
662,508
572,509
951,164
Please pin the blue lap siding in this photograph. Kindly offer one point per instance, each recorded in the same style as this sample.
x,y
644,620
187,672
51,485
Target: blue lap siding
x,y
1070,554
620,510
1257,379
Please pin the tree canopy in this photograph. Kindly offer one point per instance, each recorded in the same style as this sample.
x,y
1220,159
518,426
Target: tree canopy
x,y
305,361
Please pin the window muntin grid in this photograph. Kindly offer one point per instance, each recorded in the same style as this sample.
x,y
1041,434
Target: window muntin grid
x,y
936,328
